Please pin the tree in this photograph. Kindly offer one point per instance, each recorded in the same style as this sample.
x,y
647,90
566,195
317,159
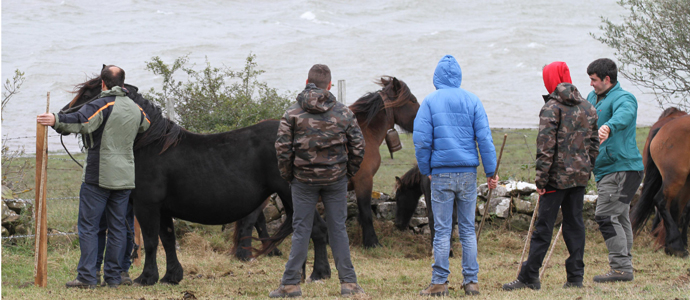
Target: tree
x,y
11,88
653,45
216,99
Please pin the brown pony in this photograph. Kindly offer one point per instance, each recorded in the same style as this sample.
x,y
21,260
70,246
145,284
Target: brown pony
x,y
667,181
376,114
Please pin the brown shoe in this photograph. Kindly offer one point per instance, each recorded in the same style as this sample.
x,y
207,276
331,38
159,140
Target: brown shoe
x,y
350,288
78,284
471,288
435,290
286,291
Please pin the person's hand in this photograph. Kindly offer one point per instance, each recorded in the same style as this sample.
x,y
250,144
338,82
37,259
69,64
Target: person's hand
x,y
429,177
492,182
604,132
541,192
46,119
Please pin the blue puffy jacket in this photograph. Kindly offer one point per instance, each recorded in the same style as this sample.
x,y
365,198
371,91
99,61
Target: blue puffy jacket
x,y
450,123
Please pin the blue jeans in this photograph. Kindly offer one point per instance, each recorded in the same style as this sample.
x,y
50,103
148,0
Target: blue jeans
x,y
126,260
446,189
95,201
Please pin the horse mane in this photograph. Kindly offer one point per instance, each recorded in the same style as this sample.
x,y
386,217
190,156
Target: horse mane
x,y
670,111
411,177
372,103
161,130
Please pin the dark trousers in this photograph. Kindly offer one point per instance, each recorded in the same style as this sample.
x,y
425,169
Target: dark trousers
x,y
126,260
304,199
95,201
570,201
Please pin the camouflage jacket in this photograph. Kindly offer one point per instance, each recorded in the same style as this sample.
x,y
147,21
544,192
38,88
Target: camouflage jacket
x,y
568,143
319,140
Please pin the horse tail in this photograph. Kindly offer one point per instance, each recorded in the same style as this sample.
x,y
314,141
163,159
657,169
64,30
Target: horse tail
x,y
652,184
660,233
285,229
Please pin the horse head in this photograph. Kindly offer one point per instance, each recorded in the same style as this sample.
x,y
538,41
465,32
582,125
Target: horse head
x,y
407,191
399,102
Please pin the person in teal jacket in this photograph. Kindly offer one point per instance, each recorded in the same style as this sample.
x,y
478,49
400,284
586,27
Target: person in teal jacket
x,y
618,168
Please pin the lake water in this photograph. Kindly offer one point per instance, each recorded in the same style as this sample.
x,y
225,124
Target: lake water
x,y
500,45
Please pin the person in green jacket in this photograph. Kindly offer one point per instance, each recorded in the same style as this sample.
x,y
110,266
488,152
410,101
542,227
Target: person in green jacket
x,y
618,168
108,126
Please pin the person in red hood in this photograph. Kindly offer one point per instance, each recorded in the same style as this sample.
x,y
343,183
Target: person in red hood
x,y
567,147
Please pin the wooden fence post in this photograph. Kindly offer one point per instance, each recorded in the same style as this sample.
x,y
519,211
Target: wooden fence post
x,y
40,209
341,91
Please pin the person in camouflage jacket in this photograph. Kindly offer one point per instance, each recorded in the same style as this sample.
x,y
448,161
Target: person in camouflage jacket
x,y
319,146
567,147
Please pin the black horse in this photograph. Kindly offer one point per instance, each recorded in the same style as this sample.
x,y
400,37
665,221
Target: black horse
x,y
208,179
408,189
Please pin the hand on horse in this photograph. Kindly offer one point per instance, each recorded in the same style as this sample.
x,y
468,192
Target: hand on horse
x,y
46,119
492,182
604,133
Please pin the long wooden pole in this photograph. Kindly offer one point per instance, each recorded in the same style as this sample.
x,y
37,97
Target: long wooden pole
x,y
553,246
138,240
40,209
529,235
488,199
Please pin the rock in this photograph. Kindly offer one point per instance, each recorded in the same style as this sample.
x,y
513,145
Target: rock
x,y
272,226
8,215
271,212
352,210
5,232
21,229
495,202
522,206
499,191
387,210
503,208
591,198
417,221
534,197
516,188
351,197
421,208
17,205
426,230
376,198
7,192
520,222
277,202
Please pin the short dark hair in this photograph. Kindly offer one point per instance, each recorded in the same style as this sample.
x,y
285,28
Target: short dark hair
x,y
113,76
320,75
604,67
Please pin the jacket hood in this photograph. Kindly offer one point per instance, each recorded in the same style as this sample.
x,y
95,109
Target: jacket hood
x,y
565,93
115,91
555,73
315,100
448,73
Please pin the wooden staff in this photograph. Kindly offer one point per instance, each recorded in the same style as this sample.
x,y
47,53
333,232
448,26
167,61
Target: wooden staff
x,y
529,235
488,199
40,210
553,246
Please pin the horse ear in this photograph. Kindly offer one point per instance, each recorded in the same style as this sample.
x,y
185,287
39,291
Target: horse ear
x,y
396,84
397,180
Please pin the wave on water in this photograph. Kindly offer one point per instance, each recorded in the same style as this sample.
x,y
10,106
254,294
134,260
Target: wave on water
x,y
310,16
164,12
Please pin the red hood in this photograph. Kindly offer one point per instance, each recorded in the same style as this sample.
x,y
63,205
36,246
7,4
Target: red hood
x,y
555,73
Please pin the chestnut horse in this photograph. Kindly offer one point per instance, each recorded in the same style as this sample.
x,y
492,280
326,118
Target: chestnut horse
x,y
667,181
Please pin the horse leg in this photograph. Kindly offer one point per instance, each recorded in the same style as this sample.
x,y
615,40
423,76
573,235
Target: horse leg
x,y
363,191
173,272
243,233
673,244
426,187
453,229
319,235
149,220
262,230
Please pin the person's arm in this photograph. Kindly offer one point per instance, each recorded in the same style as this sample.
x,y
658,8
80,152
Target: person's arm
x,y
624,111
86,120
423,137
284,150
355,146
485,141
549,118
145,121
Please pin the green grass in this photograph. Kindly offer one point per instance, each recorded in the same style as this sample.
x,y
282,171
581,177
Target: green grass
x,y
398,270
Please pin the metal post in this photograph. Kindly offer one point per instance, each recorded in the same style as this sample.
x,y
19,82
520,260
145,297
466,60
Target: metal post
x,y
171,109
341,91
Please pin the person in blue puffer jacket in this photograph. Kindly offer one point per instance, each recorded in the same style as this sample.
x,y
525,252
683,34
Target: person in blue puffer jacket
x,y
450,124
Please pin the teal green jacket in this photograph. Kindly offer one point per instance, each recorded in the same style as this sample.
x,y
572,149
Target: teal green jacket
x,y
619,152
108,126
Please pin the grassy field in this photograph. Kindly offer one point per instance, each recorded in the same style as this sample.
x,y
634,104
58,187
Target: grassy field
x,y
398,270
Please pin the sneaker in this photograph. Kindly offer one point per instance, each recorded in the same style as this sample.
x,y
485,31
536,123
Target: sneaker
x,y
78,284
124,279
350,288
614,275
435,290
471,289
286,291
517,284
570,284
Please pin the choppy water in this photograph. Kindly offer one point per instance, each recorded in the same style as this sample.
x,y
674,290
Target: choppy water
x,y
501,46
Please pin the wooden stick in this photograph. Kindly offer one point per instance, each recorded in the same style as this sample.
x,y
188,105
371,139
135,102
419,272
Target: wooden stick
x,y
488,199
529,235
41,215
553,246
138,240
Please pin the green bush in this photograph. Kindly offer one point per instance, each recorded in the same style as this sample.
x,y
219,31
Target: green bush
x,y
216,99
